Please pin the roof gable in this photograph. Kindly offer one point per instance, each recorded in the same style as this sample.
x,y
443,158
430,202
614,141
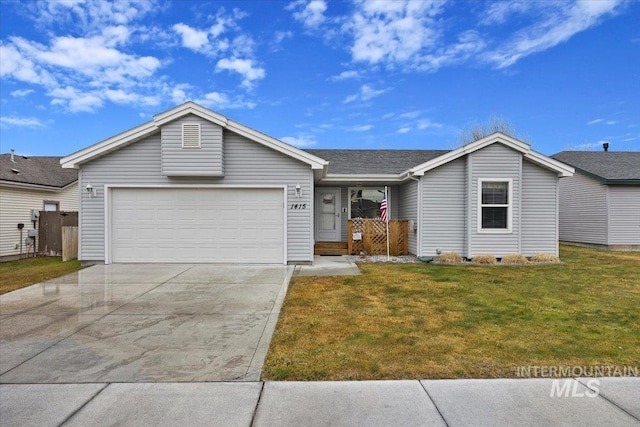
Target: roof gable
x,y
76,159
35,170
609,167
495,138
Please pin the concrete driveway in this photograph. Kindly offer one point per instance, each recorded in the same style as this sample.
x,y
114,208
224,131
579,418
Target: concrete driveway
x,y
142,323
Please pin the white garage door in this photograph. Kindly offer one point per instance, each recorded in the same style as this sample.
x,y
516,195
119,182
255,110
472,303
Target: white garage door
x,y
197,225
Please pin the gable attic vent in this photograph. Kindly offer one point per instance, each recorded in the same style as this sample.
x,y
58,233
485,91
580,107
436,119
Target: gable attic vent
x,y
191,135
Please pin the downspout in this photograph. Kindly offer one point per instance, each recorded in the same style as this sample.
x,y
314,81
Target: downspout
x,y
418,214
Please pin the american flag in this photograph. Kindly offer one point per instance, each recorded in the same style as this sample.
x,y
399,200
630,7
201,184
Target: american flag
x,y
383,209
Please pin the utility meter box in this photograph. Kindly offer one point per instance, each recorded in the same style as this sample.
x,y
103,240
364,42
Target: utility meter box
x,y
35,214
31,232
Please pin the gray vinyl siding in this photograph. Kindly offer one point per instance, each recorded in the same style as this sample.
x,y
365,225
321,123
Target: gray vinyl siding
x,y
624,215
539,214
204,161
499,162
407,202
246,163
16,205
443,209
583,210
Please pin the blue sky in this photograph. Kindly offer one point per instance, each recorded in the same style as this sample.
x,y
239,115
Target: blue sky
x,y
319,74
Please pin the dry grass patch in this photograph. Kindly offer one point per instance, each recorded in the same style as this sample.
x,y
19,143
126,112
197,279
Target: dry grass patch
x,y
484,259
514,259
450,258
545,258
403,321
18,274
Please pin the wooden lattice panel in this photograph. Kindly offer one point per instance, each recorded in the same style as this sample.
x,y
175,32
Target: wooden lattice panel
x,y
374,237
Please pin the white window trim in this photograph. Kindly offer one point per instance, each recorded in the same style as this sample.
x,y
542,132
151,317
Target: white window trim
x,y
51,202
369,187
509,207
199,135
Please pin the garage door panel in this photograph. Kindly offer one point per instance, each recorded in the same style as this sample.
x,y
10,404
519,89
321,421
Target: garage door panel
x,y
197,225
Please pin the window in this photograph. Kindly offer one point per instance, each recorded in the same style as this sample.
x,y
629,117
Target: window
x,y
191,135
494,205
51,205
364,202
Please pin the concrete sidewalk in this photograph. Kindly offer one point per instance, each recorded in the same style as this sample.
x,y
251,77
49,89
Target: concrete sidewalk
x,y
502,402
328,266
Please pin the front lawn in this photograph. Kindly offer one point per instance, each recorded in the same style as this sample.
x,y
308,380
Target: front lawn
x,y
18,274
403,321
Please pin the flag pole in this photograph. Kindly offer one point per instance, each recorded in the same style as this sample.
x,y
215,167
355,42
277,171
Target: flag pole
x,y
387,221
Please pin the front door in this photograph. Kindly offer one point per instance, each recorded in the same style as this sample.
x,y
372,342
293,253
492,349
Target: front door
x,y
327,214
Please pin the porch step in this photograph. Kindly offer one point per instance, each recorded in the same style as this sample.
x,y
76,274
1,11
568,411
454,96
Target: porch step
x,y
331,248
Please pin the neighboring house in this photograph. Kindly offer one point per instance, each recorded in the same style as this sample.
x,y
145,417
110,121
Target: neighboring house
x,y
600,204
194,186
31,182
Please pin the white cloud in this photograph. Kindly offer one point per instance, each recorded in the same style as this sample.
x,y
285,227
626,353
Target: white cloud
x,y
280,36
75,100
404,130
346,75
178,94
366,93
192,38
499,12
309,13
19,67
603,121
90,15
410,114
28,122
560,21
392,32
426,124
20,93
299,141
244,67
416,35
218,41
361,128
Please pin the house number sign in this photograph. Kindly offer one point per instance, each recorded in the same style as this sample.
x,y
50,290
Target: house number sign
x,y
298,206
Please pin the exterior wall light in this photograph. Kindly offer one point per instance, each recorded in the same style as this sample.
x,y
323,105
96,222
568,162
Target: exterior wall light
x,y
90,190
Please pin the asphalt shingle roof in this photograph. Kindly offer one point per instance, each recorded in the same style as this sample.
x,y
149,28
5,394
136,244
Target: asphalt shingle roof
x,y
353,162
36,170
609,165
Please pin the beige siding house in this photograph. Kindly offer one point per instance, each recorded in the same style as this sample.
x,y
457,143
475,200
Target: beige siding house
x,y
28,183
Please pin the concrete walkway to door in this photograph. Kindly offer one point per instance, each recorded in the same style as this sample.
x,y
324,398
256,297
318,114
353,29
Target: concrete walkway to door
x,y
142,323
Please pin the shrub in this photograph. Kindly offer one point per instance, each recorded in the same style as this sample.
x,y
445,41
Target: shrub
x,y
484,259
545,258
514,259
450,258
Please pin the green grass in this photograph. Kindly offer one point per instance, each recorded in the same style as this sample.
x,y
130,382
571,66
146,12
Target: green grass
x,y
18,274
444,321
